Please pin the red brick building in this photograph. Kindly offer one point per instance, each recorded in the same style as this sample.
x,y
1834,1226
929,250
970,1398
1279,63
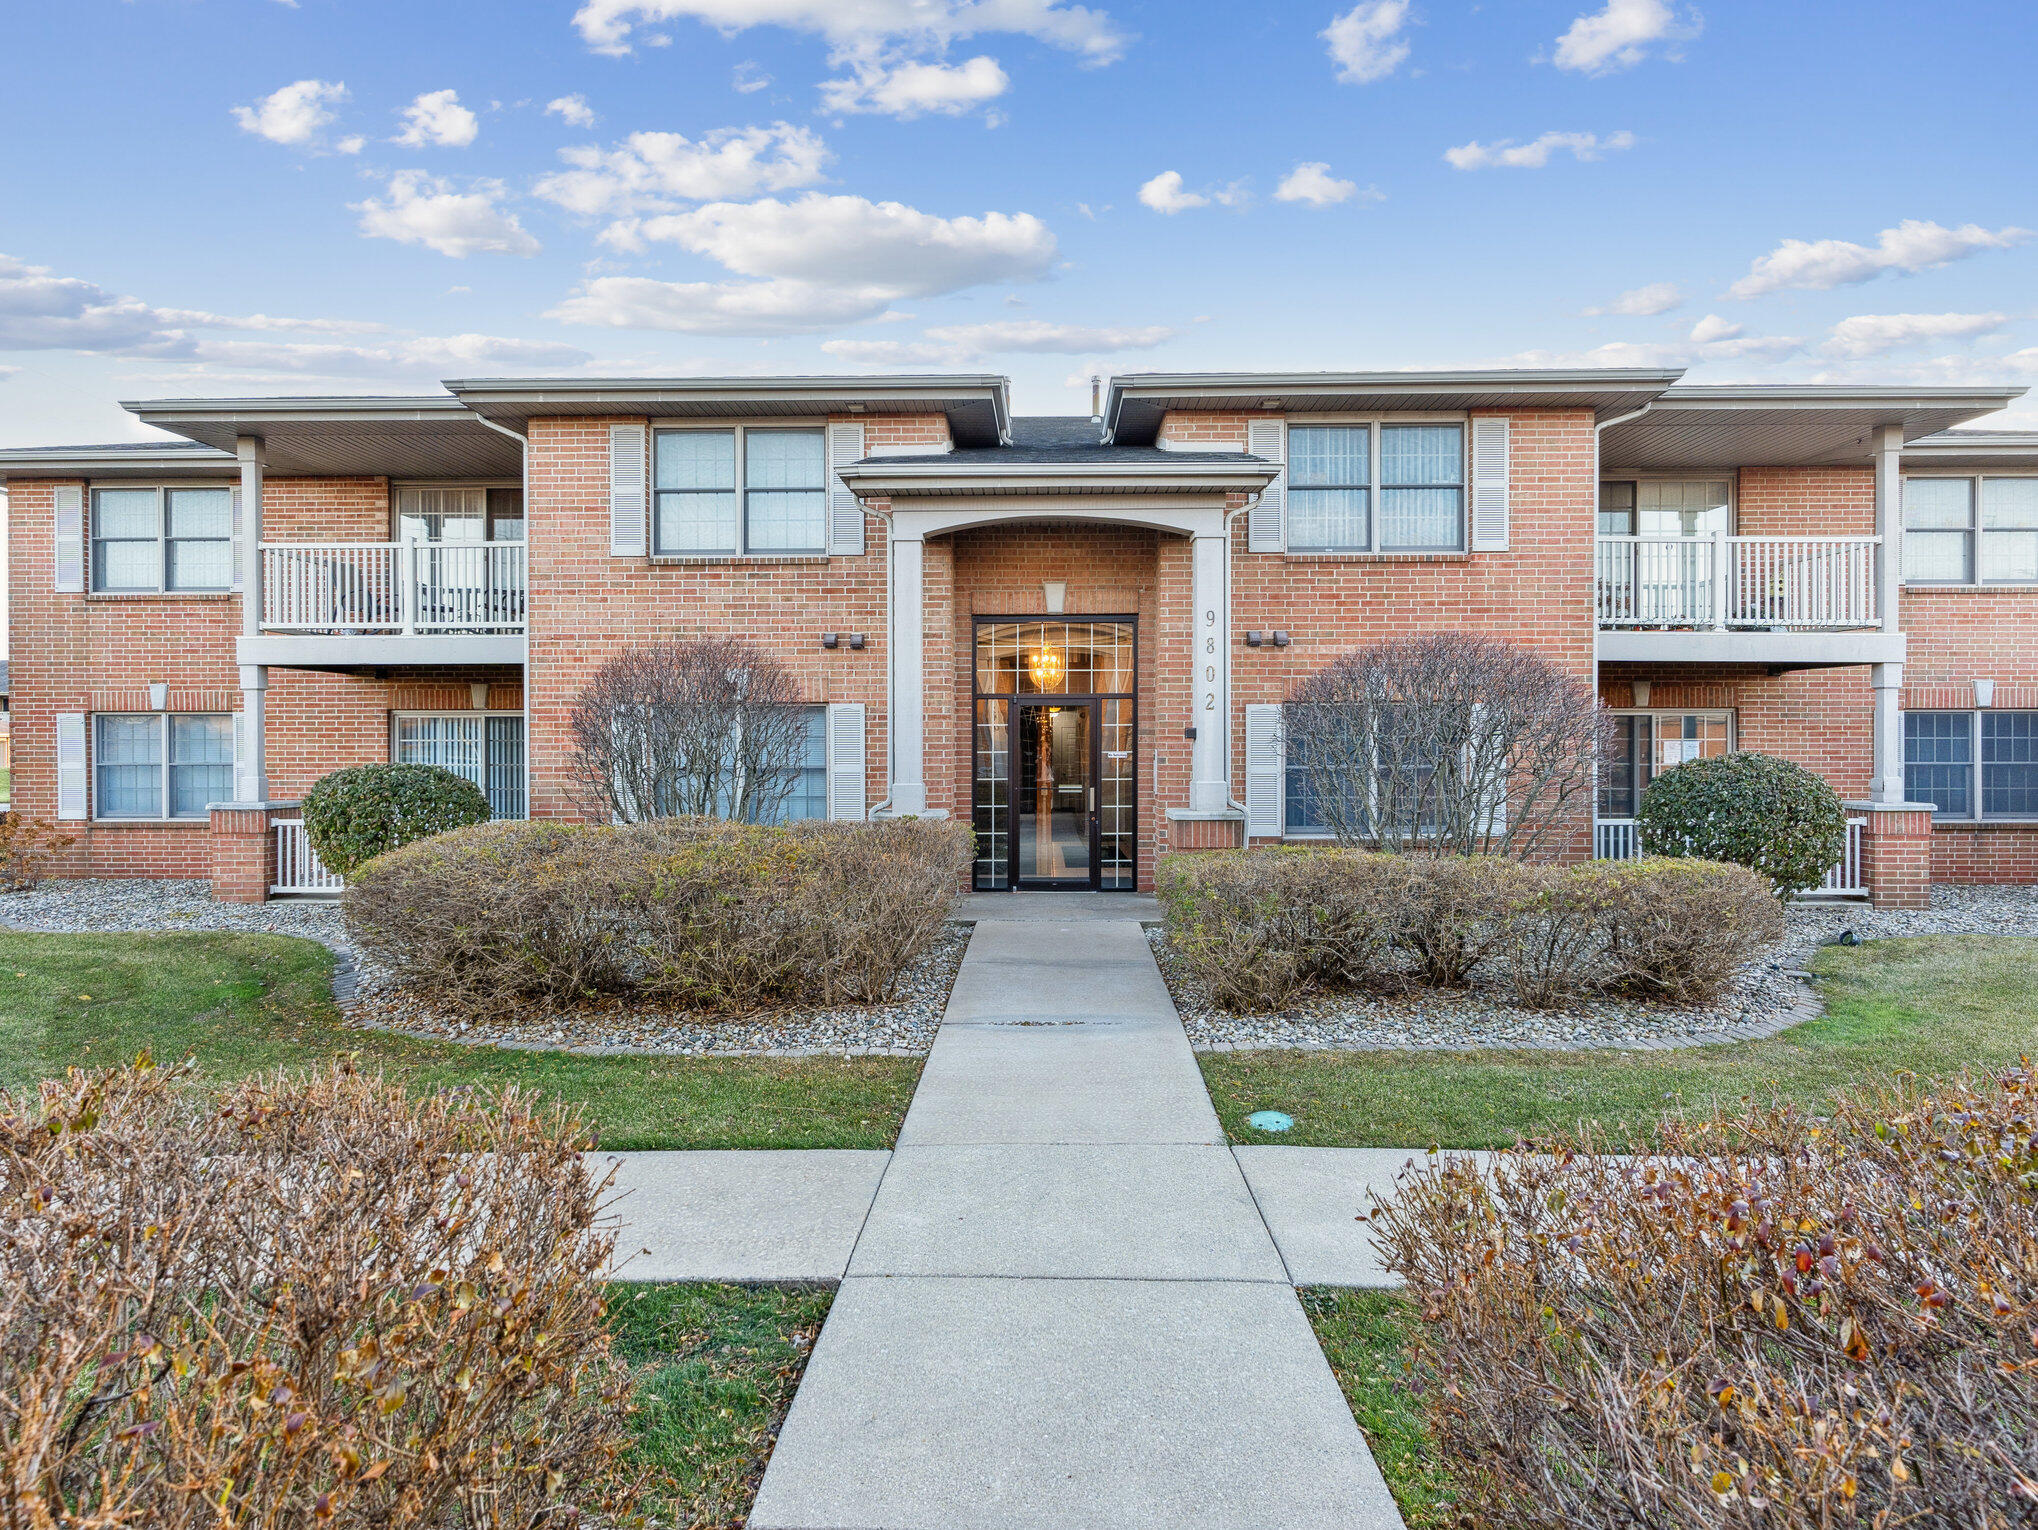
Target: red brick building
x,y
1077,634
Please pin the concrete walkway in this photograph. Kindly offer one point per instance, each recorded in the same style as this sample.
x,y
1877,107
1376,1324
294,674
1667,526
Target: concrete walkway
x,y
1065,1307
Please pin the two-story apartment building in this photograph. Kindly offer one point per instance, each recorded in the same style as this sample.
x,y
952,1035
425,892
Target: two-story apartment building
x,y
1075,633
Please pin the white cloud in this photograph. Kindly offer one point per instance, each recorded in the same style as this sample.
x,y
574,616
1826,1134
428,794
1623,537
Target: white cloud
x,y
1712,327
1641,302
1313,183
425,209
891,353
1913,245
815,262
1366,42
572,110
1622,35
199,318
438,118
961,344
747,79
1164,194
649,172
608,26
1506,154
1871,334
297,115
908,89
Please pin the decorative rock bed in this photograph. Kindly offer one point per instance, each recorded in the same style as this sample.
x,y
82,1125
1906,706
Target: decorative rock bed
x,y
1769,996
903,1028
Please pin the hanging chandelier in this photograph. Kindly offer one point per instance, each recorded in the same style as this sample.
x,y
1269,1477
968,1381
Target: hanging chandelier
x,y
1045,667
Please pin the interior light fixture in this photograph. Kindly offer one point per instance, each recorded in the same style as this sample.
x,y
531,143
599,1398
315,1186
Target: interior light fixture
x,y
1044,665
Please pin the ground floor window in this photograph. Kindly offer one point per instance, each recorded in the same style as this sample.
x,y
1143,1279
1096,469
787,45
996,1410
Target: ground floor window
x,y
485,747
1972,765
807,793
1648,743
1396,770
161,764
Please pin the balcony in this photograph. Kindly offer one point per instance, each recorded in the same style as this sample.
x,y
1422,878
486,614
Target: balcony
x,y
341,604
1756,599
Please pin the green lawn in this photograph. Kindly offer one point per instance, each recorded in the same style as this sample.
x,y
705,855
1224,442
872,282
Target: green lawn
x,y
1363,1334
716,1368
1930,1005
244,1004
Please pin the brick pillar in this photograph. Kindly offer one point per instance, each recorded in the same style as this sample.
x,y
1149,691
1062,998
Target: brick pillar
x,y
1896,852
243,852
1205,831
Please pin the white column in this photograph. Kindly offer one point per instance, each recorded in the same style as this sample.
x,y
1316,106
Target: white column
x,y
1889,521
252,782
1209,759
908,722
1888,786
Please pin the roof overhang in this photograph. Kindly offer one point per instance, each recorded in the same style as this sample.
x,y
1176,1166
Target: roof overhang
x,y
1137,403
1975,451
141,461
978,406
1785,426
345,437
944,477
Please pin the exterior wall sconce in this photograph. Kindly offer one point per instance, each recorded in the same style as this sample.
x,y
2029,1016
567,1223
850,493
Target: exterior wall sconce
x,y
1054,594
1641,689
837,639
1984,693
1258,639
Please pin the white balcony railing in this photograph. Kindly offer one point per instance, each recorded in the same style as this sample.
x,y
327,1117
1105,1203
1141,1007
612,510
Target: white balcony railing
x,y
298,868
349,587
1620,839
1721,582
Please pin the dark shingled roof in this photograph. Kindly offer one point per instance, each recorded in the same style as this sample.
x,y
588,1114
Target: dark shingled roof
x,y
1072,439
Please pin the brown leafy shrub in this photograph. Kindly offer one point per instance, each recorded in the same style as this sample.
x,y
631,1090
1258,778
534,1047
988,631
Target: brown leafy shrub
x,y
1678,930
1458,910
695,912
1257,927
27,846
1553,944
1782,1322
301,1302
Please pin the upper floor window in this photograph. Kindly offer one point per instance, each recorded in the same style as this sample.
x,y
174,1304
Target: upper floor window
x,y
162,539
1972,764
1971,530
1417,469
161,765
1665,507
747,489
459,513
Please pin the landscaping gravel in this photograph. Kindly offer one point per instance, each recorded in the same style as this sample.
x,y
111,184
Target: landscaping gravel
x,y
1769,996
902,1028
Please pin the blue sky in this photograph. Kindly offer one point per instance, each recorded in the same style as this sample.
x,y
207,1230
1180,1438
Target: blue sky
x,y
255,196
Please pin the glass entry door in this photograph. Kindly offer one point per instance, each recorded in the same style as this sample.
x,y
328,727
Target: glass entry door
x,y
1055,805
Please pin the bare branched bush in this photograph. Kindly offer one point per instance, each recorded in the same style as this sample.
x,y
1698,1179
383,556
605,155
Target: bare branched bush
x,y
1451,743
1783,1322
693,912
708,727
301,1302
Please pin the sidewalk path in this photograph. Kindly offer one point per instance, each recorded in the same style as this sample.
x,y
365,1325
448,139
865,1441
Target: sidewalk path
x,y
1064,1308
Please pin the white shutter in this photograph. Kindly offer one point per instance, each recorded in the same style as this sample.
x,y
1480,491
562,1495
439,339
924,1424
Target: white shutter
x,y
71,765
845,510
1489,483
1266,773
1267,521
846,795
240,578
70,510
626,491
1494,817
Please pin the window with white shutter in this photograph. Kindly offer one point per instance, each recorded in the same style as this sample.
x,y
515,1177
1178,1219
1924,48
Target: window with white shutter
x,y
626,491
70,546
847,797
845,510
1267,521
1489,483
239,549
1265,772
71,765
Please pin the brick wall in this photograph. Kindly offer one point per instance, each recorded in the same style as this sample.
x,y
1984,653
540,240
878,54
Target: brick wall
x,y
1806,502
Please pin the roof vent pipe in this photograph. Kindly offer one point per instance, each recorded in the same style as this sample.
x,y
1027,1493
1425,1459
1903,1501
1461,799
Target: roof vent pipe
x,y
1096,400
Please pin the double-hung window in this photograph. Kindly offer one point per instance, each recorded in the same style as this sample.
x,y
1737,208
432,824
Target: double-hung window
x,y
1971,530
1972,765
485,747
1383,775
160,539
155,765
807,781
740,490
1379,486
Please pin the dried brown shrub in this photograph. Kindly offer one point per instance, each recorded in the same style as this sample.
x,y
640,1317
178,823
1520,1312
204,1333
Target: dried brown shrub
x,y
1553,945
696,912
1678,930
1458,910
301,1302
27,846
1783,1322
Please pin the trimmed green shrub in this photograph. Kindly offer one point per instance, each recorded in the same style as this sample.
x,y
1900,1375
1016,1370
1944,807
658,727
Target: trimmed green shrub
x,y
354,815
692,912
1755,810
